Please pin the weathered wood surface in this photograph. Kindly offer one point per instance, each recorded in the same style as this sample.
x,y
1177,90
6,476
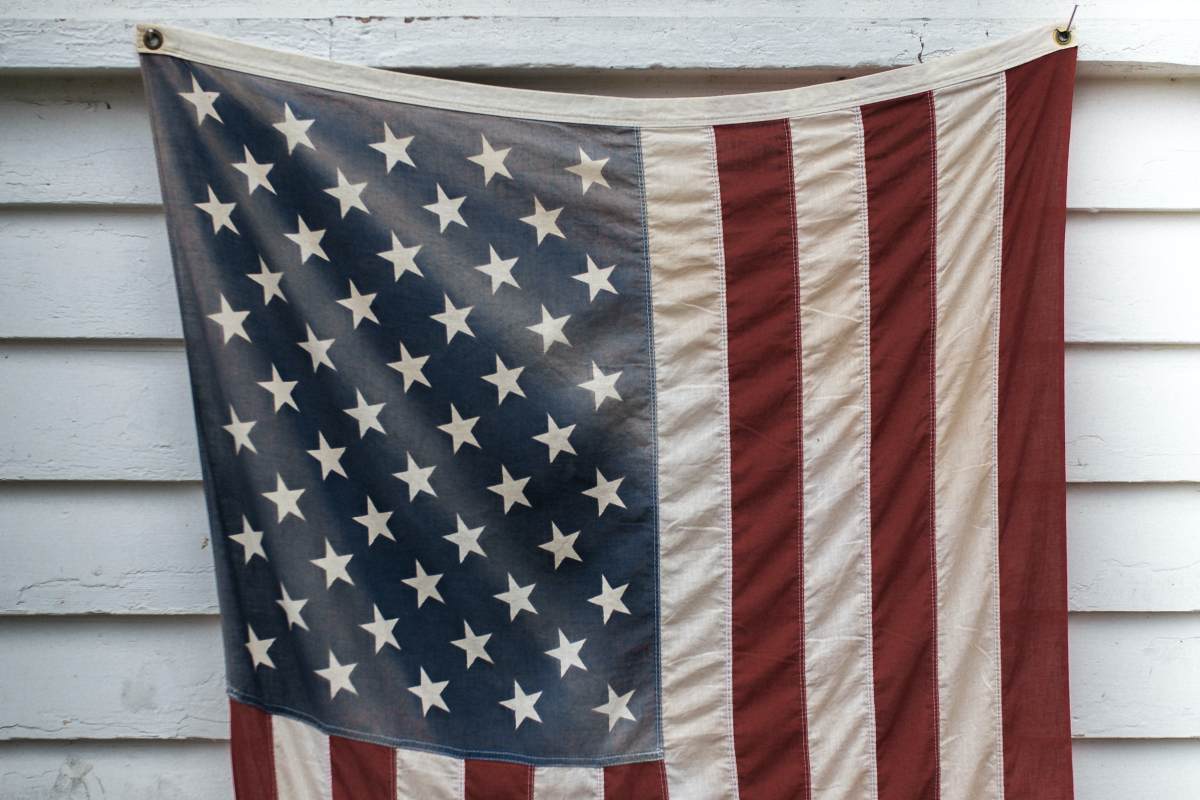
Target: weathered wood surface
x,y
1115,37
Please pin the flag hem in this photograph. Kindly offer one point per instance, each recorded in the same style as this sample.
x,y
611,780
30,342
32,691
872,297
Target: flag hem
x,y
416,745
458,95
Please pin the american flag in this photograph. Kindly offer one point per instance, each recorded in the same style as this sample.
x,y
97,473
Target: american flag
x,y
560,446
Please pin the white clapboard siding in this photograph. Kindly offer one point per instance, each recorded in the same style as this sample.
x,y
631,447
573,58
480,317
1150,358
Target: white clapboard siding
x,y
1132,141
105,273
1115,769
1132,675
149,677
200,770
105,548
120,770
111,674
704,35
142,548
1134,547
122,412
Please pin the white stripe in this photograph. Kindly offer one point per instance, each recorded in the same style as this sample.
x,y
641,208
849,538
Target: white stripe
x,y
429,776
687,285
970,188
302,770
568,783
833,258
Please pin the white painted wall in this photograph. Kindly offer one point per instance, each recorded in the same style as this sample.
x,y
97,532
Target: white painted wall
x,y
110,674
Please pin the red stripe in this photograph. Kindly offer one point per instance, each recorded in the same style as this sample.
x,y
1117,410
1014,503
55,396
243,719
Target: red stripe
x,y
898,138
497,780
643,781
754,169
253,752
1033,593
361,770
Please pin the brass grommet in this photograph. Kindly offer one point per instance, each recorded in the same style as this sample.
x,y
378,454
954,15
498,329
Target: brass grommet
x,y
1063,36
152,39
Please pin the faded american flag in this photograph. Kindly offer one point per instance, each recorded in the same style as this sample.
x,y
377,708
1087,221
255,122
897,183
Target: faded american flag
x,y
585,447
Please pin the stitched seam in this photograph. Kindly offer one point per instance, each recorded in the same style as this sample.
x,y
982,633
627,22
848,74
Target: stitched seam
x,y
933,570
997,273
651,352
803,683
865,437
426,747
726,467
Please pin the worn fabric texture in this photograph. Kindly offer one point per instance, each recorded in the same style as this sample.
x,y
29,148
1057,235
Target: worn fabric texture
x,y
568,446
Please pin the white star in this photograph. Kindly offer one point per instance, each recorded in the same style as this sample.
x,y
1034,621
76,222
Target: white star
x,y
473,645
359,305
563,547
240,431
220,212
376,523
517,598
202,101
597,279
605,493
317,349
467,540
410,367
256,173
551,329
491,160
291,608
499,270
403,258
308,240
567,654
602,386
546,221
425,584
416,477
269,281
446,209
556,438
334,565
430,693
231,322
349,195
338,676
296,130
609,599
280,390
382,630
505,380
590,170
258,650
367,415
330,457
287,501
455,319
394,149
512,490
617,708
521,705
250,540
459,429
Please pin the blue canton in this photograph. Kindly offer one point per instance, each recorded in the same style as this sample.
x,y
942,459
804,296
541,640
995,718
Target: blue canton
x,y
420,350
